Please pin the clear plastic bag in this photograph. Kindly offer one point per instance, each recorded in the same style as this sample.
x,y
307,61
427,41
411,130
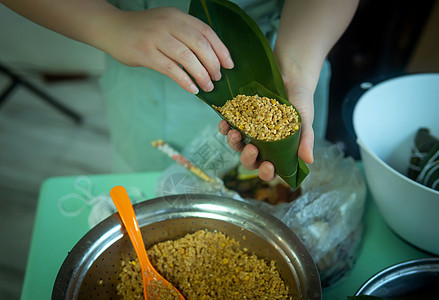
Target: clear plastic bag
x,y
210,153
327,216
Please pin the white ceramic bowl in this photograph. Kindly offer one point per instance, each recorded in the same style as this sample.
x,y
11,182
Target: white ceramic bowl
x,y
386,119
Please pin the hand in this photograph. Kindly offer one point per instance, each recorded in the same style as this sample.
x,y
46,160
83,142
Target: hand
x,y
171,42
249,153
300,92
301,96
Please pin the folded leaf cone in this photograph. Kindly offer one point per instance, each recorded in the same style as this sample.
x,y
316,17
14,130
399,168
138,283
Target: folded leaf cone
x,y
256,72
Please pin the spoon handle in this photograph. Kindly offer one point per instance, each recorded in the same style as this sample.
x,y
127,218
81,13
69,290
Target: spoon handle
x,y
126,212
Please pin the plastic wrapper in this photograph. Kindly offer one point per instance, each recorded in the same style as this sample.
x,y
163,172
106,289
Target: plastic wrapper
x,y
210,153
327,216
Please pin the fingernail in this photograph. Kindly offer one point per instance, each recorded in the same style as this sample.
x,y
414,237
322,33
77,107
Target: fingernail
x,y
209,86
222,128
231,138
236,138
311,152
270,168
266,171
254,153
229,63
193,89
217,77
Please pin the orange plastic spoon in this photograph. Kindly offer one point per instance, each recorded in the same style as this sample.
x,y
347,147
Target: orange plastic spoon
x,y
153,282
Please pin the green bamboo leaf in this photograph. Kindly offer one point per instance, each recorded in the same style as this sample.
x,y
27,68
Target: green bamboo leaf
x,y
256,72
424,141
283,153
250,50
425,159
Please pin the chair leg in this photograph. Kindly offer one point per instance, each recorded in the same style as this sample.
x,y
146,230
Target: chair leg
x,y
7,91
16,80
50,100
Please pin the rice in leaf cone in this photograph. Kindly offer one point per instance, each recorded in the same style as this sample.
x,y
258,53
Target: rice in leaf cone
x,y
256,72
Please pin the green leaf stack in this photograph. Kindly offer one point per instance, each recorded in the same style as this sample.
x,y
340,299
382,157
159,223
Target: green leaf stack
x,y
256,72
424,160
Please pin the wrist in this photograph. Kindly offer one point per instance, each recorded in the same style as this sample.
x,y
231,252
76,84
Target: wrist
x,y
300,72
106,30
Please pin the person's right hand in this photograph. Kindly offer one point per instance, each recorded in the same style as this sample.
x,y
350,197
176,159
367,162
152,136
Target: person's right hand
x,y
171,42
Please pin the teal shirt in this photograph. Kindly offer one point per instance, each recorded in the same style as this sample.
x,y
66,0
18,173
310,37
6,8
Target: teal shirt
x,y
143,105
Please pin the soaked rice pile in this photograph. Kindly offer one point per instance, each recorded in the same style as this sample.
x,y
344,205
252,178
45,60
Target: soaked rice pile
x,y
207,265
260,117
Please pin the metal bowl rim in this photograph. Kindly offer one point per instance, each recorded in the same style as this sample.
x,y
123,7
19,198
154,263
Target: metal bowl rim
x,y
386,275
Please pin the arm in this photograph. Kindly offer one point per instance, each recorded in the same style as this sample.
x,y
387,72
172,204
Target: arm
x,y
81,20
162,39
308,30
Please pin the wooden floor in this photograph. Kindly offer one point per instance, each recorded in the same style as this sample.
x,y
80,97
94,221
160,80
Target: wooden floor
x,y
37,142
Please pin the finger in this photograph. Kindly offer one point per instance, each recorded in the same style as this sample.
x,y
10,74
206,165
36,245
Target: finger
x,y
181,54
217,45
306,108
249,157
171,69
202,48
266,171
234,140
223,127
306,144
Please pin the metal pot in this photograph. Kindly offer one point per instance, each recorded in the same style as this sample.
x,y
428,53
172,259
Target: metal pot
x,y
91,269
407,279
